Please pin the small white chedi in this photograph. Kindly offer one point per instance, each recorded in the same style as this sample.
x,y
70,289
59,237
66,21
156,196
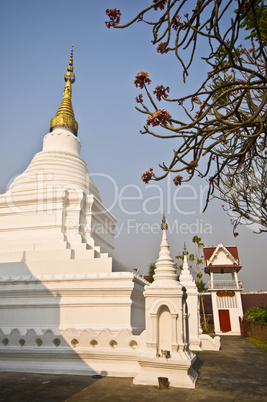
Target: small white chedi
x,y
67,303
167,352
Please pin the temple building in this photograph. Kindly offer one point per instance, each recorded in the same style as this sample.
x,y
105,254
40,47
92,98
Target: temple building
x,y
67,302
56,243
225,293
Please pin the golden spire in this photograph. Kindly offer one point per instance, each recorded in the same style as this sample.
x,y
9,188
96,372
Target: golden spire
x,y
65,115
164,225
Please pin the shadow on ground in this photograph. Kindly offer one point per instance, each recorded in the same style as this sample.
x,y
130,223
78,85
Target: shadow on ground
x,y
237,373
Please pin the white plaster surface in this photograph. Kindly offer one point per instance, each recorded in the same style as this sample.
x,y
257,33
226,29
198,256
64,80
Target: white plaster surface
x,y
71,352
58,270
178,370
67,303
166,328
209,343
197,340
221,256
234,305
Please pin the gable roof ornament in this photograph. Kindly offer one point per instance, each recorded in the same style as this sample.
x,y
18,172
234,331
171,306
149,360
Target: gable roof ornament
x,y
219,248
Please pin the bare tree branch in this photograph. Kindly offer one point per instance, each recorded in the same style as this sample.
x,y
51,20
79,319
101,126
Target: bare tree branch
x,y
221,127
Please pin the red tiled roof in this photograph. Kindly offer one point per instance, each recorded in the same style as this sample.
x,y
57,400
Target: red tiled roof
x,y
208,251
233,251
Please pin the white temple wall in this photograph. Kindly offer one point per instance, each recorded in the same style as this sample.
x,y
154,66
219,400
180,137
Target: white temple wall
x,y
26,230
56,194
70,352
234,306
27,266
100,224
72,300
58,272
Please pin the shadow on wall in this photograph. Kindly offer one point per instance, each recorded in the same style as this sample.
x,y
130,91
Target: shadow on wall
x,y
137,318
30,340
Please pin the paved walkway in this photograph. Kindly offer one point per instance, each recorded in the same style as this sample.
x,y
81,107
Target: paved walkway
x,y
237,373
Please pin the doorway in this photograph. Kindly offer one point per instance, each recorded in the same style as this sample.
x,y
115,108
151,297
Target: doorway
x,y
225,322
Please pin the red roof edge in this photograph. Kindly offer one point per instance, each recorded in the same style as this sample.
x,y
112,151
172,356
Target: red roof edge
x,y
208,251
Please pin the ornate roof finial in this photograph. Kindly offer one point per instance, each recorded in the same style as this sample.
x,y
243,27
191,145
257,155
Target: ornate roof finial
x,y
165,270
164,225
185,252
65,114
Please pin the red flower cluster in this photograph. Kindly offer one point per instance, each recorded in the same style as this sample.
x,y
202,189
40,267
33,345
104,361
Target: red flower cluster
x,y
198,114
114,15
162,48
161,92
161,5
191,167
178,180
159,117
177,23
147,176
141,79
139,98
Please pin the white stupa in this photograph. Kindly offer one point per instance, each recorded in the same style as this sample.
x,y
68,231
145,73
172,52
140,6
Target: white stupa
x,y
67,303
167,353
57,264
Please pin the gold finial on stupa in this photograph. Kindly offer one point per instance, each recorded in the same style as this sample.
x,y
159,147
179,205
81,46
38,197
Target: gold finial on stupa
x,y
65,114
164,225
185,252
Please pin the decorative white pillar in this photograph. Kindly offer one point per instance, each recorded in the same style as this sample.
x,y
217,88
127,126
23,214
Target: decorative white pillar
x,y
165,299
235,279
211,280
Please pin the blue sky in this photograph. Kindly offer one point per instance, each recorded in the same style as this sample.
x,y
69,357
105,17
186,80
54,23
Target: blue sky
x,y
35,47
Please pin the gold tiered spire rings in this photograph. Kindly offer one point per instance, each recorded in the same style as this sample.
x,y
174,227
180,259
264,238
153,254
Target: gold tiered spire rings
x,y
185,252
164,225
65,114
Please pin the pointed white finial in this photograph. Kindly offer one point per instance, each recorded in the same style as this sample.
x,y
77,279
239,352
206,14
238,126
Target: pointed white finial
x,y
165,270
185,264
186,278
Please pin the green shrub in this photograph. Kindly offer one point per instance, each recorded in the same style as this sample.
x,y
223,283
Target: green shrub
x,y
258,314
258,343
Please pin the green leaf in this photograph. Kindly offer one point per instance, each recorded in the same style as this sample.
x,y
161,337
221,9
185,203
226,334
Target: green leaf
x,y
191,257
